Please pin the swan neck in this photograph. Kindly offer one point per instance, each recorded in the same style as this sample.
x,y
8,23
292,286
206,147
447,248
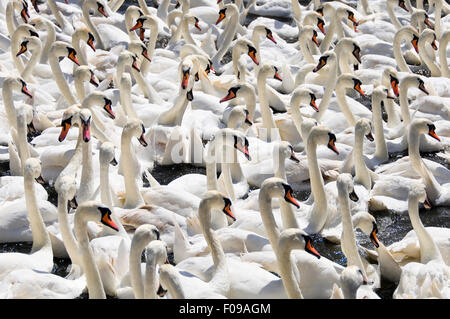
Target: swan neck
x,y
133,194
41,239
60,80
286,266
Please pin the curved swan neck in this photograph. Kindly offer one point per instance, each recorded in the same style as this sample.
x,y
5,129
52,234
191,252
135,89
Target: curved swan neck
x,y
220,281
51,38
93,279
445,38
286,265
230,30
362,175
66,231
59,77
404,105
87,172
41,239
428,249
398,55
430,62
342,99
85,9
348,239
381,151
133,194
265,207
27,73
271,130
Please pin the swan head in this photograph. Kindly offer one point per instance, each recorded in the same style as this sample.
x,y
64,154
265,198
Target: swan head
x,y
413,80
85,116
284,150
400,3
66,188
295,238
324,60
138,48
321,22
135,127
367,224
428,36
98,98
107,154
17,84
186,66
216,200
270,71
308,32
222,15
96,212
128,58
304,95
32,169
345,185
351,17
350,81
84,73
262,30
24,12
390,75
144,234
156,250
421,16
417,192
85,35
424,126
70,117
238,115
351,279
29,44
63,49
277,187
145,22
364,127
323,135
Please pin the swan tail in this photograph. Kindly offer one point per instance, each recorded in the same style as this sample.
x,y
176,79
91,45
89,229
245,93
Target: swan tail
x,y
153,182
180,245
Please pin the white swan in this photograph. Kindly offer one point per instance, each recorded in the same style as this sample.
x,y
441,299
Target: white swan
x,y
430,277
41,256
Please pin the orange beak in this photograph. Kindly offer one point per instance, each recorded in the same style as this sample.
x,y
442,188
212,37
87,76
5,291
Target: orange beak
x,y
138,25
252,55
64,131
221,17
271,38
313,103
109,110
135,66
290,199
310,249
394,85
197,26
93,81
321,26
358,88
321,64
332,146
433,134
314,39
277,76
230,96
109,222
25,91
24,14
434,45
90,42
101,9
72,57
142,140
23,48
414,43
374,238
185,80
244,150
86,131
228,212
